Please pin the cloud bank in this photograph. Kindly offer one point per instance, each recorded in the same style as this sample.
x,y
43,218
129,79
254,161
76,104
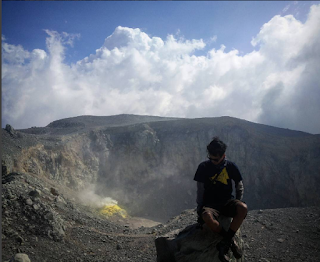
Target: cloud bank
x,y
277,84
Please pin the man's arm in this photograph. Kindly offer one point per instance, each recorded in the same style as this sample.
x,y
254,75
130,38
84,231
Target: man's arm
x,y
200,193
239,190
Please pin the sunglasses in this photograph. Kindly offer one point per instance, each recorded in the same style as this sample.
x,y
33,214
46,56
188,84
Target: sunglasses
x,y
214,159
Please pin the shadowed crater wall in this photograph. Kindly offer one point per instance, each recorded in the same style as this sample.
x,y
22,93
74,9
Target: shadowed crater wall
x,y
147,163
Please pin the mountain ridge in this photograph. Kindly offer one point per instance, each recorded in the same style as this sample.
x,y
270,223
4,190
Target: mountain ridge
x,y
87,122
146,156
90,121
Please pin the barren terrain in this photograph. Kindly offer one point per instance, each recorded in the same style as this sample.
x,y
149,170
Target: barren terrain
x,y
52,227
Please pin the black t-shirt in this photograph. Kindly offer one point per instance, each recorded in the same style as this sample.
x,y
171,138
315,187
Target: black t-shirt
x,y
217,181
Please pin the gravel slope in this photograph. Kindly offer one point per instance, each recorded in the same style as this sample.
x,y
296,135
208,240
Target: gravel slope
x,y
47,225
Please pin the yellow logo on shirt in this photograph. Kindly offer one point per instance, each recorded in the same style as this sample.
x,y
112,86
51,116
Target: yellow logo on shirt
x,y
222,177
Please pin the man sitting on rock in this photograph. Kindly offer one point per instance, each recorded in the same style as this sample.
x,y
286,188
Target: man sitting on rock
x,y
214,196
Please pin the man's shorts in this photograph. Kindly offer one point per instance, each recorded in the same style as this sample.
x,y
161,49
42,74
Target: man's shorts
x,y
228,210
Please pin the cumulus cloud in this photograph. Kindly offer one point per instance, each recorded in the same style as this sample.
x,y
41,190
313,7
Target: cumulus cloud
x,y
14,54
278,84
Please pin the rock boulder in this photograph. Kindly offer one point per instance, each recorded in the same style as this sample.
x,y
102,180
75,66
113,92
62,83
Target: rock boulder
x,y
193,243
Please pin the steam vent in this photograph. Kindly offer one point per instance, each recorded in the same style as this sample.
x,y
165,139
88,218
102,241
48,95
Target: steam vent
x,y
113,210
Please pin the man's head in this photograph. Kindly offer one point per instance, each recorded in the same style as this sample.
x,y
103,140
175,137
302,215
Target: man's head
x,y
216,150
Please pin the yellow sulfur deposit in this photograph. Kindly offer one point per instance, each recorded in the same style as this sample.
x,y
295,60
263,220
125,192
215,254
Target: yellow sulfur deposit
x,y
112,210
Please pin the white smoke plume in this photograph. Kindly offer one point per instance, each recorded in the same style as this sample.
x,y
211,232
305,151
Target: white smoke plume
x,y
88,197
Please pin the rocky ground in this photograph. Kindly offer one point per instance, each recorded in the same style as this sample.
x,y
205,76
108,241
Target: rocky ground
x,y
38,220
288,234
42,221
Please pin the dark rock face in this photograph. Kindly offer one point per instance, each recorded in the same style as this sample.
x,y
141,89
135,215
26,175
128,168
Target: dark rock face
x,y
148,163
20,258
10,130
155,163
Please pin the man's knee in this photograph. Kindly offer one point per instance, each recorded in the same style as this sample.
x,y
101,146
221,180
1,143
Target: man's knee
x,y
242,209
206,216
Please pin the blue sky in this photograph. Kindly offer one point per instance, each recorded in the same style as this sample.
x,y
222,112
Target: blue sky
x,y
212,45
233,23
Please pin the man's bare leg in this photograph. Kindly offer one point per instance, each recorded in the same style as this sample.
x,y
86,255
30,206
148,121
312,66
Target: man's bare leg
x,y
228,240
215,226
211,222
238,219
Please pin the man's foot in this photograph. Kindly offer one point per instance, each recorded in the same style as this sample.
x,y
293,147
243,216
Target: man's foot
x,y
236,250
223,247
